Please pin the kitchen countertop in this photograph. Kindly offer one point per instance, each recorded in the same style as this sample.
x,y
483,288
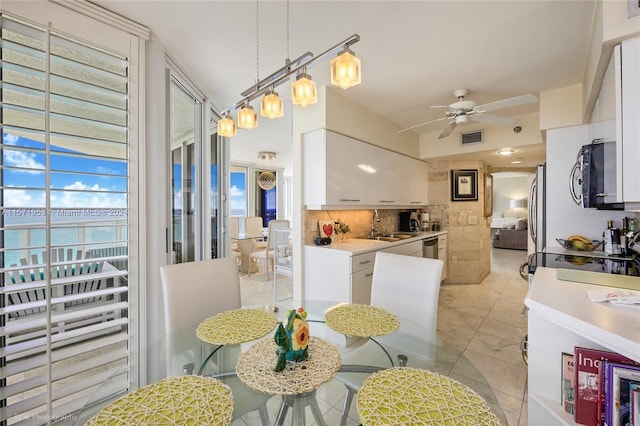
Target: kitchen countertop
x,y
355,246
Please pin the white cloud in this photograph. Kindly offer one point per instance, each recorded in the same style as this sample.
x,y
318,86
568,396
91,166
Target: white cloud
x,y
19,197
236,192
25,160
8,139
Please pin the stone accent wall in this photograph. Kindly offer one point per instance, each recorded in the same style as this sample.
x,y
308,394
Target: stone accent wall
x,y
469,238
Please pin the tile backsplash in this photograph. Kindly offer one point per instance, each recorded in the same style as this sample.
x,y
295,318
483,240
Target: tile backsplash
x,y
358,220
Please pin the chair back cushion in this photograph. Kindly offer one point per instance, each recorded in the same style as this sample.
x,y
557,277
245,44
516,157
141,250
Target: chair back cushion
x,y
408,286
192,292
273,225
252,226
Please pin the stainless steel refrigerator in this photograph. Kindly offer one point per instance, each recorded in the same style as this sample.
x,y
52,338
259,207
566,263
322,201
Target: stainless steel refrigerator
x,y
537,209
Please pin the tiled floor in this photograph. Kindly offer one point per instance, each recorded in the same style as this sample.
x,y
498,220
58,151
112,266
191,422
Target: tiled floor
x,y
483,321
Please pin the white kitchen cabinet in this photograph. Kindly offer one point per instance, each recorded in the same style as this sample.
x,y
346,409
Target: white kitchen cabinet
x,y
417,178
343,275
332,175
561,317
384,184
338,275
627,66
342,172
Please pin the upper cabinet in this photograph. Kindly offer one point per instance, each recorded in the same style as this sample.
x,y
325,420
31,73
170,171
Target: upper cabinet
x,y
627,66
344,173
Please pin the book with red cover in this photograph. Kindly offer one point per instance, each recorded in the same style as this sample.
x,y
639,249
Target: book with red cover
x,y
588,408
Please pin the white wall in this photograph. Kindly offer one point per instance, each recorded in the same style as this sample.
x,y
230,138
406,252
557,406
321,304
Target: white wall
x,y
507,187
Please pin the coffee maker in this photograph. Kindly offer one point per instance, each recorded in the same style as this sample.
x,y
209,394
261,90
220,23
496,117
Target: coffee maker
x,y
408,222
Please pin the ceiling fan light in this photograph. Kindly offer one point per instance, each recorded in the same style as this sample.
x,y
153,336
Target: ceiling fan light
x,y
345,70
227,127
271,105
462,118
247,117
304,91
505,152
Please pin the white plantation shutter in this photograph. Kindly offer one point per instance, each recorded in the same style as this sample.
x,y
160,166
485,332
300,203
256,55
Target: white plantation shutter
x,y
67,174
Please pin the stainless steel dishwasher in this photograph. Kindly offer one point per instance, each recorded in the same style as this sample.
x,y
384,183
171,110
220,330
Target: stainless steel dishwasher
x,y
430,247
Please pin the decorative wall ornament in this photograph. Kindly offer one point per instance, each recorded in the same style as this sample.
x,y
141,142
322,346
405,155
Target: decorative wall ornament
x,y
266,180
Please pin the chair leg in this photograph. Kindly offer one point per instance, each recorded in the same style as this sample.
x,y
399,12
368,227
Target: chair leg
x,y
264,415
317,414
282,413
347,406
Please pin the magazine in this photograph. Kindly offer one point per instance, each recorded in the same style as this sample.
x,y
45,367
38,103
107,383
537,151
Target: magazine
x,y
618,379
589,399
568,379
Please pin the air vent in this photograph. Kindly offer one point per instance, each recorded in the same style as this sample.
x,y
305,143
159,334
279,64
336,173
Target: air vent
x,y
471,137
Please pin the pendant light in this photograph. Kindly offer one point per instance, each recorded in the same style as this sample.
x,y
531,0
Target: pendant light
x,y
271,105
247,117
303,90
226,126
345,69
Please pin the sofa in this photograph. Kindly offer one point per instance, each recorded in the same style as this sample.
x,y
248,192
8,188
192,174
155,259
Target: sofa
x,y
513,236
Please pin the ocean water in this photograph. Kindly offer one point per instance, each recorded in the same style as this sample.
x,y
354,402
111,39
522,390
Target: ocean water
x,y
80,229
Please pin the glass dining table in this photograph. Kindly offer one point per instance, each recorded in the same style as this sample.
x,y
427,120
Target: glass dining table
x,y
252,359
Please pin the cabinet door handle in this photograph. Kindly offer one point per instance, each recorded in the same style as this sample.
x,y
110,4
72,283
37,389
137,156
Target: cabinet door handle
x,y
370,274
364,262
416,202
356,200
387,201
344,199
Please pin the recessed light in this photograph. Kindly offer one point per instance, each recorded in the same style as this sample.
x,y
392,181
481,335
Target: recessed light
x,y
505,152
516,162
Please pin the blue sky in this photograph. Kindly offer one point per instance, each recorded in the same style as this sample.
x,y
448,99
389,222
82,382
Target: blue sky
x,y
75,182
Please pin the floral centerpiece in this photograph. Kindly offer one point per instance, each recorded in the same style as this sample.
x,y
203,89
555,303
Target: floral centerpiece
x,y
292,339
342,229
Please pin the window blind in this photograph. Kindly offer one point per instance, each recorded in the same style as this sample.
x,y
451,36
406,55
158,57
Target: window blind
x,y
64,183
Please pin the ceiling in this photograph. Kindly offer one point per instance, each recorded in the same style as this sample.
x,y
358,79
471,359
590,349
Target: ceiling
x,y
414,54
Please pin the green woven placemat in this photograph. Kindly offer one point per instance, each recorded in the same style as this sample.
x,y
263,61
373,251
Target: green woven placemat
x,y
361,320
412,396
183,400
237,326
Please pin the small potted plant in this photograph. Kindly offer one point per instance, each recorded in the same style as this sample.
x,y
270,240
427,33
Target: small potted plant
x,y
342,229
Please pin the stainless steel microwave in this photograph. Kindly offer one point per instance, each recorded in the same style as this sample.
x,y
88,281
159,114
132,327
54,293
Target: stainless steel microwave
x,y
593,176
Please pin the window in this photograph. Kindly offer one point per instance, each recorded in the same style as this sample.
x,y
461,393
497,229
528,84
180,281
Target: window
x,y
66,184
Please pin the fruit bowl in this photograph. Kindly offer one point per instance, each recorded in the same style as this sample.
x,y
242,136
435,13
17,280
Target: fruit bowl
x,y
579,245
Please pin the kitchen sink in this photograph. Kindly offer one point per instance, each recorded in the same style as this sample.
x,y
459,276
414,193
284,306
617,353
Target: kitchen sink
x,y
390,237
380,238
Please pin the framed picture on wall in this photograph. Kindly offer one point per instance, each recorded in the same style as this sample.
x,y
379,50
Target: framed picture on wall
x,y
488,195
464,185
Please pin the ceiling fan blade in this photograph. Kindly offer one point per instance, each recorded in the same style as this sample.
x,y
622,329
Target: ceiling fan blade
x,y
494,119
447,130
423,124
506,103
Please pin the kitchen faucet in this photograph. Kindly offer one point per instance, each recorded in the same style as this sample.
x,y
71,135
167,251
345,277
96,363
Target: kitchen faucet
x,y
374,220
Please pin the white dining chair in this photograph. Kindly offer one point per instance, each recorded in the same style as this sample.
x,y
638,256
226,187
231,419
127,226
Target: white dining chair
x,y
407,286
193,292
253,227
266,255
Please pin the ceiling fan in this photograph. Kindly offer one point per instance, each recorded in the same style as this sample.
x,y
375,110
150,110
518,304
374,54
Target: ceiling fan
x,y
461,111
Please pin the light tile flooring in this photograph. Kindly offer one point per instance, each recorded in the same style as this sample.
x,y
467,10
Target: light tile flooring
x,y
483,321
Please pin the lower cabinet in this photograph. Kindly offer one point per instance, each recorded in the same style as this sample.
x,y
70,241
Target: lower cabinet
x,y
342,276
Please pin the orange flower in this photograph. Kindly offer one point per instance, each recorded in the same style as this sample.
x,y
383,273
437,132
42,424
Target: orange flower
x,y
299,335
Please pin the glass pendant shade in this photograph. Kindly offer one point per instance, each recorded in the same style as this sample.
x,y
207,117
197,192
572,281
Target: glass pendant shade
x,y
247,118
303,91
271,105
226,127
345,70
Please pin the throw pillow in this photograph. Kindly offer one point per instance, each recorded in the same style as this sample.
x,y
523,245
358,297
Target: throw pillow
x,y
521,225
